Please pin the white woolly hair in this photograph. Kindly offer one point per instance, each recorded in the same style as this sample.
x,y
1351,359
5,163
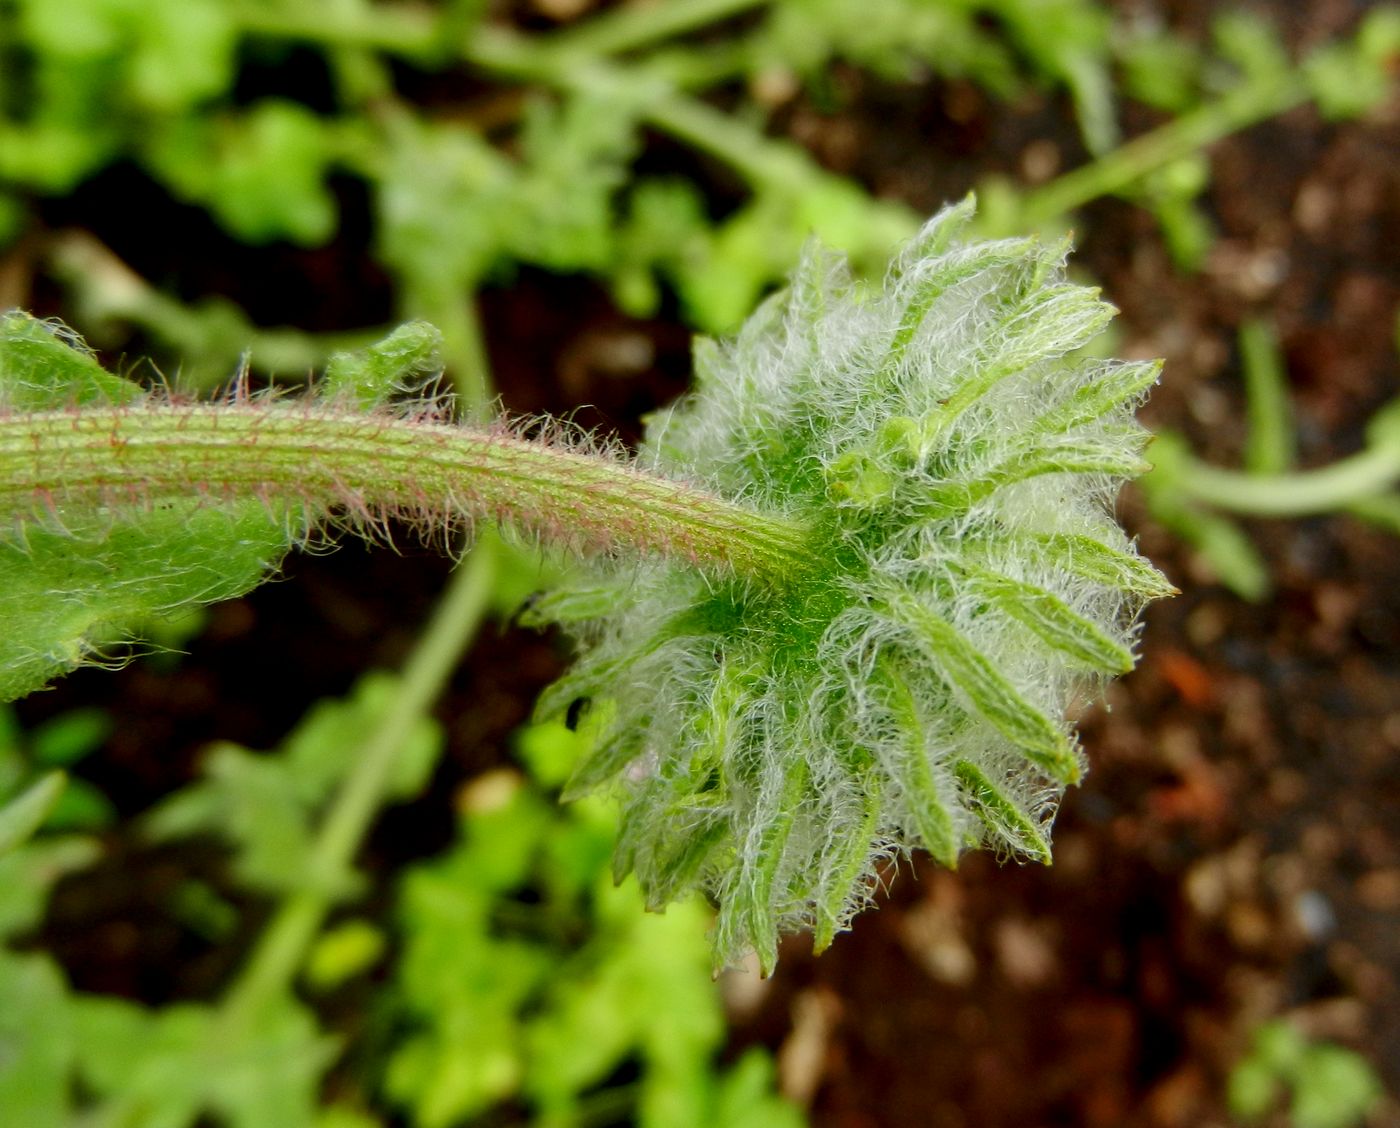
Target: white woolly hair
x,y
967,588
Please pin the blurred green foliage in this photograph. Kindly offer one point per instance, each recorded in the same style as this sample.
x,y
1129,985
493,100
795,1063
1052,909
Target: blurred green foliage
x,y
520,974
265,806
1327,1085
525,972
34,779
555,184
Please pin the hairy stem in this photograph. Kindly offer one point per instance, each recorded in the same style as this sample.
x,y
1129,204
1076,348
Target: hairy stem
x,y
373,465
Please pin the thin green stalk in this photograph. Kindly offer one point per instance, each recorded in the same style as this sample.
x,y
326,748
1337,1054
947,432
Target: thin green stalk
x,y
1363,476
575,59
211,335
396,28
463,348
755,156
464,351
403,29
324,457
281,948
632,27
1120,169
1269,441
761,159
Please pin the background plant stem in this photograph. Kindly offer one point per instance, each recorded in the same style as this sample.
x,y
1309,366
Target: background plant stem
x,y
1247,105
273,965
1363,476
632,27
463,348
579,59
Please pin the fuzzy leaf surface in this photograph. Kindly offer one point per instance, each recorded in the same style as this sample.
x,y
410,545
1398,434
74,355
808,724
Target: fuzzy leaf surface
x,y
907,682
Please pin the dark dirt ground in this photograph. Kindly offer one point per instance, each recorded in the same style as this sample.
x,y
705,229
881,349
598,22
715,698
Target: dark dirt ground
x,y
1234,853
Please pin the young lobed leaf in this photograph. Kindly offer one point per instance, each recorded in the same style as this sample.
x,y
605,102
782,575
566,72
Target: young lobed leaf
x,y
77,583
908,682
